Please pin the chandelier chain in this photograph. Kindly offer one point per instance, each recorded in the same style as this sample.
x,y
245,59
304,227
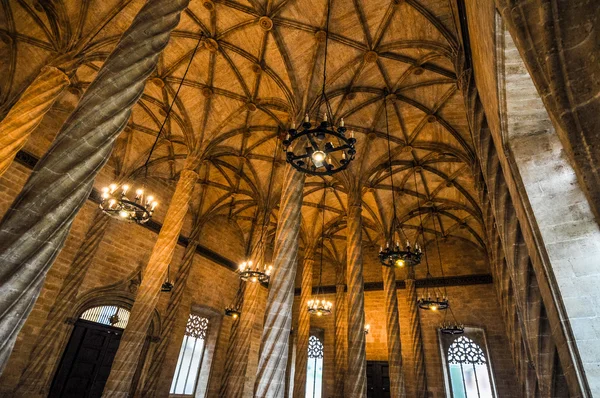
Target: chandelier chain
x,y
172,104
389,148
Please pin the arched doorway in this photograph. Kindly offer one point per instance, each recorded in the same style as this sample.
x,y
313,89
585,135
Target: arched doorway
x,y
88,357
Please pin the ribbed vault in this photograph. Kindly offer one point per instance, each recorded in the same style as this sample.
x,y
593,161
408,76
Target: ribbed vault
x,y
258,67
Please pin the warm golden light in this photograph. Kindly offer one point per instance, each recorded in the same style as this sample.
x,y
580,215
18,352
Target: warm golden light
x,y
318,156
400,263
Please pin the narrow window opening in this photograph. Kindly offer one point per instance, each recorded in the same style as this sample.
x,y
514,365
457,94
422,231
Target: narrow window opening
x,y
190,356
468,371
314,376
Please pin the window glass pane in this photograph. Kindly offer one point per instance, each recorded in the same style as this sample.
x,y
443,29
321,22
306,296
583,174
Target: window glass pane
x,y
190,356
456,381
107,315
483,378
310,377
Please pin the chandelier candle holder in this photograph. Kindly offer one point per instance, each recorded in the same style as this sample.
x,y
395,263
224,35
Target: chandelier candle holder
x,y
254,274
319,307
367,328
396,256
316,153
116,204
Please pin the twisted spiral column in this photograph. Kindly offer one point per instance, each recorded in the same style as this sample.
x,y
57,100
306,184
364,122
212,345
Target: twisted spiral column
x,y
397,388
128,354
270,380
27,113
35,227
356,378
236,377
303,334
160,371
419,375
36,376
231,345
340,334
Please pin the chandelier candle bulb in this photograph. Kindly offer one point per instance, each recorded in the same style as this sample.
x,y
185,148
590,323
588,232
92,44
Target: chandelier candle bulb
x,y
342,122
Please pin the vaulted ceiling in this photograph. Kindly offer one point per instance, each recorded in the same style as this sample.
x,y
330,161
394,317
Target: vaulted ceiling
x,y
259,66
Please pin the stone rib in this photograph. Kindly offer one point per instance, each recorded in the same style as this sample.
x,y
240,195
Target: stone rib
x,y
34,229
419,375
356,379
27,113
36,376
132,342
397,387
303,334
154,379
270,380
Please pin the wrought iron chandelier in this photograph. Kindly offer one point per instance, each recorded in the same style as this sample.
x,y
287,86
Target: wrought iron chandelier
x,y
394,255
322,149
235,309
318,305
432,298
451,326
115,202
259,270
167,285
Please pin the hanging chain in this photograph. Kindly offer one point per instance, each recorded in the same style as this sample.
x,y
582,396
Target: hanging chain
x,y
322,240
171,105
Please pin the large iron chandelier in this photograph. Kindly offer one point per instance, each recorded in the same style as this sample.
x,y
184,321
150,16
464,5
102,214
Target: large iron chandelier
x,y
322,149
451,326
115,202
257,270
394,255
317,305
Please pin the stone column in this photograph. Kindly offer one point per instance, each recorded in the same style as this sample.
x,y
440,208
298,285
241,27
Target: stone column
x,y
127,357
45,354
236,376
340,333
28,112
231,346
303,330
397,388
270,380
160,372
35,227
356,377
419,376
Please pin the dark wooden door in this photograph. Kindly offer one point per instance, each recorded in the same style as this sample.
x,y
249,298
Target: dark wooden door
x,y
378,379
86,362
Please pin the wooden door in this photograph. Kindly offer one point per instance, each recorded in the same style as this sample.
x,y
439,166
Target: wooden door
x,y
86,362
378,379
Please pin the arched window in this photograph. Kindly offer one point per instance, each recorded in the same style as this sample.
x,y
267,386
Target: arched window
x,y
190,356
107,315
468,370
314,376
